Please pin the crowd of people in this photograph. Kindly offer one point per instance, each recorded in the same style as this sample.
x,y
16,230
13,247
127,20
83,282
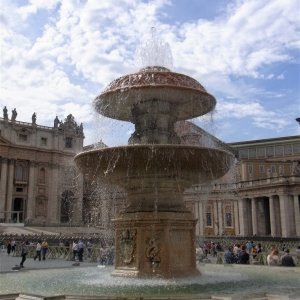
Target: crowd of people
x,y
243,253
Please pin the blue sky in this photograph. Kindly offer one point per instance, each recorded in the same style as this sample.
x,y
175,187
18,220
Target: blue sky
x,y
57,56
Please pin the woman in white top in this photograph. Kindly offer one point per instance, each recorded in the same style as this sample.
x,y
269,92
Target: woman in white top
x,y
273,258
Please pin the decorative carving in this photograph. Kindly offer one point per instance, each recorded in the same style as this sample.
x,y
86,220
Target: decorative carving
x,y
153,249
127,245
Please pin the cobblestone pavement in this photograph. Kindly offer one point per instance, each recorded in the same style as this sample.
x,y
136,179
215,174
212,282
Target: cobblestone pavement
x,y
9,261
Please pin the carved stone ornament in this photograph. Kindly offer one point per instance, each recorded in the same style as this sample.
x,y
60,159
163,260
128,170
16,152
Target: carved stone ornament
x,y
127,245
153,249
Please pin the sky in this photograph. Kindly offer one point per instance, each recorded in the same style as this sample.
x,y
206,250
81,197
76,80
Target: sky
x,y
57,56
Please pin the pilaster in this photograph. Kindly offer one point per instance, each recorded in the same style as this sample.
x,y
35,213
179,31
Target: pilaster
x,y
272,216
3,184
241,204
31,191
297,215
254,216
10,187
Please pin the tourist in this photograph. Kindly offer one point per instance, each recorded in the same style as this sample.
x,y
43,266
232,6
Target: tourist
x,y
243,256
236,250
13,246
75,250
8,248
258,248
298,250
273,258
38,249
24,252
80,250
44,249
249,246
287,259
229,257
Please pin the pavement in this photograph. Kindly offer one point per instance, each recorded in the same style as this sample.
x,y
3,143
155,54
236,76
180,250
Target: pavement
x,y
9,261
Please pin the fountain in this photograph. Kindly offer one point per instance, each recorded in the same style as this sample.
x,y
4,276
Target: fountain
x,y
155,235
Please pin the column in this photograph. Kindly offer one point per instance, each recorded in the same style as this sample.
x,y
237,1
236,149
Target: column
x,y
201,219
287,216
254,216
297,215
31,193
216,219
10,187
272,216
196,209
236,218
3,184
220,217
53,213
241,204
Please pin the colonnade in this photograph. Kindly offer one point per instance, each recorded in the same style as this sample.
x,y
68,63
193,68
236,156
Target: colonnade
x,y
276,215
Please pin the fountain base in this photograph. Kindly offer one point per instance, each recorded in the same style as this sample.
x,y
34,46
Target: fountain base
x,y
155,244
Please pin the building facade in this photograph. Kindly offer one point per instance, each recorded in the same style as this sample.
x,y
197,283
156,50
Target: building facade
x,y
260,196
39,184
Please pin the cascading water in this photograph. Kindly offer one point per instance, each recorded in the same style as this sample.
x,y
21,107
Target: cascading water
x,y
156,232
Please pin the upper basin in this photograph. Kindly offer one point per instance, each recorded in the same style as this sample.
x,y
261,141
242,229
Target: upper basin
x,y
188,97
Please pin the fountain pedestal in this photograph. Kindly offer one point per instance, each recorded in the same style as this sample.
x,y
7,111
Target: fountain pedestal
x,y
155,244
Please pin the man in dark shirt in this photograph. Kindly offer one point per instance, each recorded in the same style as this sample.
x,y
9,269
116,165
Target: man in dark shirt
x,y
243,256
287,259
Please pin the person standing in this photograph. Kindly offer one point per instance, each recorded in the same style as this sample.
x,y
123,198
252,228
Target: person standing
x,y
24,252
229,257
287,259
243,256
38,249
80,251
273,258
75,250
8,247
44,249
13,246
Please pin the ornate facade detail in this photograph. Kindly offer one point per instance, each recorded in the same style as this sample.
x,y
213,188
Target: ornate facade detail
x,y
153,249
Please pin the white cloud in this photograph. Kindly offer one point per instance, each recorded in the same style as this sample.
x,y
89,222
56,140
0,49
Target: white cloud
x,y
83,45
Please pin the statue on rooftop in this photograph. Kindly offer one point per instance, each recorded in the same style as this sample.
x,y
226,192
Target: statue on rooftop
x,y
14,115
56,122
34,118
5,114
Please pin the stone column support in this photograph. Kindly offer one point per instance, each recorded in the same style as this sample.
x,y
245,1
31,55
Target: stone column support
x,y
220,217
53,201
236,218
10,187
201,218
297,214
216,219
254,216
272,216
3,184
242,226
31,192
287,216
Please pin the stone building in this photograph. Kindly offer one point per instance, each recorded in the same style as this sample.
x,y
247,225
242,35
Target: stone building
x,y
260,195
39,183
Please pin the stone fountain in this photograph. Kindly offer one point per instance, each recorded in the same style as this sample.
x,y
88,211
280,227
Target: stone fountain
x,y
155,235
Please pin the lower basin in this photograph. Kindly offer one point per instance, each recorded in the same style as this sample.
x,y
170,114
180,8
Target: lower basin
x,y
242,281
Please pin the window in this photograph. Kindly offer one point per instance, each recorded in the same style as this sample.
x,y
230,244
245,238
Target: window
x,y
252,152
273,169
208,216
270,151
261,152
69,142
19,190
23,137
262,169
43,141
228,216
281,170
279,150
21,171
250,169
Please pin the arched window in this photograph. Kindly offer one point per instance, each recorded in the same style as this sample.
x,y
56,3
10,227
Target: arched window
x,y
66,206
21,171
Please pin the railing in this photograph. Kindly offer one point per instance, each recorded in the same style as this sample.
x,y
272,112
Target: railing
x,y
26,124
91,254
